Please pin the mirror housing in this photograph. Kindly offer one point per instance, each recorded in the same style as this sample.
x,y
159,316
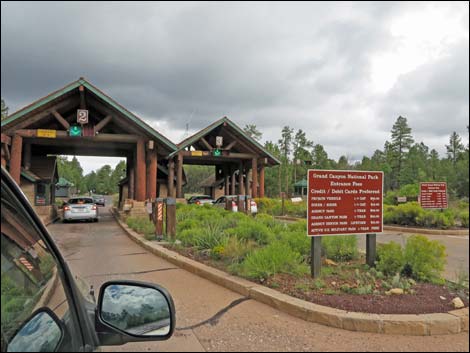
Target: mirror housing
x,y
42,328
116,296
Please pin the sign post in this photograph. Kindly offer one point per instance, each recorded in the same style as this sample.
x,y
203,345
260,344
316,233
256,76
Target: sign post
x,y
171,217
159,218
344,203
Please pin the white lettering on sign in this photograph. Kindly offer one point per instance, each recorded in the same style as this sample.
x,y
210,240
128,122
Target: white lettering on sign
x,y
82,116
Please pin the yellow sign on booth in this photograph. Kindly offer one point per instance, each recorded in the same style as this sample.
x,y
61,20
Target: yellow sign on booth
x,y
196,153
47,133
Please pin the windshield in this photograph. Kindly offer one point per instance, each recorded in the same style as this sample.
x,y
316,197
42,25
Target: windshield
x,y
80,201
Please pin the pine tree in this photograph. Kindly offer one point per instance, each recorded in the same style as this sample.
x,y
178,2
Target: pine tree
x,y
402,141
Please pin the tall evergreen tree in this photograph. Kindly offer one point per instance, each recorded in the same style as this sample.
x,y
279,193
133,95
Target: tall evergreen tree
x,y
402,140
252,131
455,147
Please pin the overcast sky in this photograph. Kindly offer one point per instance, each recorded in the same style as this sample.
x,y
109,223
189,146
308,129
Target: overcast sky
x,y
343,72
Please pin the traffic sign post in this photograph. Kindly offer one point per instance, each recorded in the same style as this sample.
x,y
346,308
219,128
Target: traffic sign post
x,y
344,203
159,218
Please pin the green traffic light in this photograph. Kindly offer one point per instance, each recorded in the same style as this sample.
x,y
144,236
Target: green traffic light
x,y
217,152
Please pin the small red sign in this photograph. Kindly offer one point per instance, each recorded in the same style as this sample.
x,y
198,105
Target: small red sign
x,y
344,202
433,195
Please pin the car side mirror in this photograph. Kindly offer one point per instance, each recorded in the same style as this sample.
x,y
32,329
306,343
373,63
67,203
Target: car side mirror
x,y
131,311
42,330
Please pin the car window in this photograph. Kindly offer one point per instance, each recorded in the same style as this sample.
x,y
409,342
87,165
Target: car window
x,y
80,201
30,277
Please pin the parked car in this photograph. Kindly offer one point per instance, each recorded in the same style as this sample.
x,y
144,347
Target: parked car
x,y
220,202
99,200
200,200
43,309
80,208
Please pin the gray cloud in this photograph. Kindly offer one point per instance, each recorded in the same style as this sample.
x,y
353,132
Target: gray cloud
x,y
306,65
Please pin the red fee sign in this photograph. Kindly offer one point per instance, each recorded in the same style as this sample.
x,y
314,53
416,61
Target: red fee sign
x,y
344,202
433,195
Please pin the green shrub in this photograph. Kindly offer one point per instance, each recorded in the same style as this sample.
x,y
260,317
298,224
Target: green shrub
x,y
188,236
390,216
141,225
340,248
390,198
407,213
390,258
251,230
464,218
425,259
297,241
273,259
212,236
236,250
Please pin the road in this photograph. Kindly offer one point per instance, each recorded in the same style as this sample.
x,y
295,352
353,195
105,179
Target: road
x,y
210,317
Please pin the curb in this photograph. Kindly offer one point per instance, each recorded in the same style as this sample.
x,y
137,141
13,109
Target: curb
x,y
462,232
413,325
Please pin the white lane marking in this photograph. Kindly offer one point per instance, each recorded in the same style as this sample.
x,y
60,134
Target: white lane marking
x,y
465,237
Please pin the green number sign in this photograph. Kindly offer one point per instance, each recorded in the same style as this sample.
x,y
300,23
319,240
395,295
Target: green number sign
x,y
75,131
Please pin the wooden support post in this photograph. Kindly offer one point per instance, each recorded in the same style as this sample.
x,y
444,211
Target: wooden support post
x,y
241,185
233,181
171,178
179,177
141,184
227,180
315,257
15,159
152,186
371,249
247,180
254,173
241,203
171,217
131,194
261,181
27,156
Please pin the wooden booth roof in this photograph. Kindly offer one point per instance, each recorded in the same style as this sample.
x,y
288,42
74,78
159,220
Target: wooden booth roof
x,y
233,136
42,114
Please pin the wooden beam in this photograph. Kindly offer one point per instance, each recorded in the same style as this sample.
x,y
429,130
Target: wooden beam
x,y
61,134
140,172
65,105
132,180
61,120
6,139
230,145
4,156
247,180
241,185
103,123
206,144
179,176
232,155
15,161
261,181
226,180
152,185
171,177
233,181
82,97
254,173
233,137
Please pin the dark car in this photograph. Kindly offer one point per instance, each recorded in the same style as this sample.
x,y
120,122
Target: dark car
x,y
99,200
43,308
200,200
